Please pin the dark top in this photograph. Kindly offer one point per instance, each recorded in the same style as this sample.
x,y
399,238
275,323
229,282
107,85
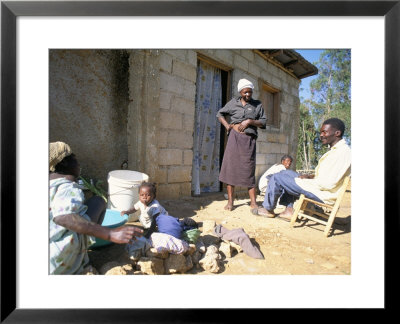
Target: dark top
x,y
238,113
169,225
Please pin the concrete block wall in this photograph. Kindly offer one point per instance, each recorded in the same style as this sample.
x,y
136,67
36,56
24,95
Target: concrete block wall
x,y
140,105
273,142
178,69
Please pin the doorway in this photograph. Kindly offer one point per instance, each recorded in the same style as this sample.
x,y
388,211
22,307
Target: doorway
x,y
209,136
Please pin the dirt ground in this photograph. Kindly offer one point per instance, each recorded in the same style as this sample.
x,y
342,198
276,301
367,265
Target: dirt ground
x,y
299,250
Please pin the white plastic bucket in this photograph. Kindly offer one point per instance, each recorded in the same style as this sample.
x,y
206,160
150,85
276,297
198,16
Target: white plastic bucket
x,y
123,189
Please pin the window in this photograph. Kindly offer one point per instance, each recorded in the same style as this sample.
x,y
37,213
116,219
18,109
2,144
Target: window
x,y
271,100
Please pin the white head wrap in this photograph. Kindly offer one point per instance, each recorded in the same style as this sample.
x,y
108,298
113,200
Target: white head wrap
x,y
243,83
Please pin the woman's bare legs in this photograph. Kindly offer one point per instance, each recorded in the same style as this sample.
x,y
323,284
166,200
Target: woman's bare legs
x,y
231,190
252,195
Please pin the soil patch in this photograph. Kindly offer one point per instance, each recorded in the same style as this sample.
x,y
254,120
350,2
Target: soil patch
x,y
299,250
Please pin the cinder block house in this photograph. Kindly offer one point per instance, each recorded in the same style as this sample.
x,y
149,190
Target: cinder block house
x,y
153,111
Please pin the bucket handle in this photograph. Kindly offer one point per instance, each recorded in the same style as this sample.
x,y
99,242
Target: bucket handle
x,y
121,191
108,195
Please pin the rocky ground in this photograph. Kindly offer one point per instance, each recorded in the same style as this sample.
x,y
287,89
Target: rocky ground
x,y
299,250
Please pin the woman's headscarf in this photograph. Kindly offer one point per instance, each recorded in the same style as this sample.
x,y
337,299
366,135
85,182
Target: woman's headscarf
x,y
58,151
243,83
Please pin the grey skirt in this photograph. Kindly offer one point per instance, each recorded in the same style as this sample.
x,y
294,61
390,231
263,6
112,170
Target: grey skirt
x,y
239,161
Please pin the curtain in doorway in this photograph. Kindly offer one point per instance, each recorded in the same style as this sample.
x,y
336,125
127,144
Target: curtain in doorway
x,y
207,129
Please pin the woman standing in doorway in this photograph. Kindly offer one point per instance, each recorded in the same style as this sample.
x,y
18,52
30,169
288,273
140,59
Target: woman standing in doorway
x,y
239,162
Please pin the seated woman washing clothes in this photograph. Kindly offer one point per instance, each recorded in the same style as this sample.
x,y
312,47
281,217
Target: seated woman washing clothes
x,y
74,223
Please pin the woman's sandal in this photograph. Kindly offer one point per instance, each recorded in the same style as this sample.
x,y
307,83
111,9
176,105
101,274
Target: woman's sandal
x,y
254,211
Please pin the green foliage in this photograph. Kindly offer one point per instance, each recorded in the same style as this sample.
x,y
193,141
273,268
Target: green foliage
x,y
330,97
95,188
307,133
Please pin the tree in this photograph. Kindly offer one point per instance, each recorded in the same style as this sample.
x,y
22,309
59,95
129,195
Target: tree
x,y
330,97
307,135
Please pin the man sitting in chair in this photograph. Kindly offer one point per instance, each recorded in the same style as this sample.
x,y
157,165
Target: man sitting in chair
x,y
332,168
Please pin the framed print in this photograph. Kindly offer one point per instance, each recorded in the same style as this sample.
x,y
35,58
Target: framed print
x,y
23,154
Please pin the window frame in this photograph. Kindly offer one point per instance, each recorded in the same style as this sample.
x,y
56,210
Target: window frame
x,y
276,108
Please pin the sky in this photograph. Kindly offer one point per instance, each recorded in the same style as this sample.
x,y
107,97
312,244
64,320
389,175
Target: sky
x,y
311,56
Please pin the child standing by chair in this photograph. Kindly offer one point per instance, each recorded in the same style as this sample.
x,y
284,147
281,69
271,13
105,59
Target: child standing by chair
x,y
149,207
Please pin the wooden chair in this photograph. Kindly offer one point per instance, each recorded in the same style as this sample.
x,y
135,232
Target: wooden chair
x,y
302,209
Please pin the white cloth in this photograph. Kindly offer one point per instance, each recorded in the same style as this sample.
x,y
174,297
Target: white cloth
x,y
243,83
147,212
263,183
165,242
332,167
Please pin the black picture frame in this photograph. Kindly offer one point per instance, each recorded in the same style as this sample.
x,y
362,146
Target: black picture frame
x,y
11,10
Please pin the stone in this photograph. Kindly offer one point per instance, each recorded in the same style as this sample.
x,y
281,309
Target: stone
x,y
189,263
209,239
209,264
191,250
134,256
177,263
116,268
116,271
108,266
212,249
226,249
200,246
210,261
235,246
152,252
196,256
128,268
151,266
